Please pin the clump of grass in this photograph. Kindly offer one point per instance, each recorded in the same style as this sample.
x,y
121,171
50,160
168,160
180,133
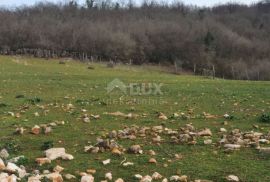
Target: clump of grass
x,y
23,161
34,100
19,96
3,105
265,117
12,147
47,145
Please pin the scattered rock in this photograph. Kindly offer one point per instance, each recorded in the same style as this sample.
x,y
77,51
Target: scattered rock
x,y
4,154
162,116
42,161
116,151
135,149
58,169
265,150
47,130
151,152
152,161
55,177
232,178
232,146
207,142
69,176
146,179
179,178
128,164
205,132
19,131
138,176
35,130
108,176
91,171
4,177
223,130
34,179
2,164
106,162
119,180
55,153
156,176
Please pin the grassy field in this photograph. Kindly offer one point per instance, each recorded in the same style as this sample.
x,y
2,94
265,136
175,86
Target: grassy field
x,y
52,86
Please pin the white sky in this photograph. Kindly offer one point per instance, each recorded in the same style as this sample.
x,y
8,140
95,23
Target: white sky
x,y
13,3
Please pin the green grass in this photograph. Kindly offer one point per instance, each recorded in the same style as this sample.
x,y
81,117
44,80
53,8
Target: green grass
x,y
52,82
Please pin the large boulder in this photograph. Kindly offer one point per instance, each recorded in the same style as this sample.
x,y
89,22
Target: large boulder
x,y
55,153
2,164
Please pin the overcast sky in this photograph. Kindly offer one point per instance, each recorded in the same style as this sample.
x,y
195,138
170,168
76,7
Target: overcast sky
x,y
13,3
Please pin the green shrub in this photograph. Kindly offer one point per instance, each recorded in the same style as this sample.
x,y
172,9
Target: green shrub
x,y
12,147
47,145
22,161
265,117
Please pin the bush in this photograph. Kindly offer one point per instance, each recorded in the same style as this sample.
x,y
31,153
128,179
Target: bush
x,y
265,117
12,147
22,161
47,145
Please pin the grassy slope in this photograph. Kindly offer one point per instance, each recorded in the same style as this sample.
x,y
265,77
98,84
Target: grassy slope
x,y
51,82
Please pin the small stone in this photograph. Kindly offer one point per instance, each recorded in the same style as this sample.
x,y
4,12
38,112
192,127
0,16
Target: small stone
x,y
205,132
11,167
55,177
34,179
232,146
87,178
58,169
156,176
108,176
175,178
86,120
146,179
128,164
151,152
178,156
116,151
35,130
67,157
207,142
226,116
2,164
138,176
152,161
69,176
232,178
91,171
47,130
119,180
19,131
106,162
162,116
42,161
223,130
46,172
4,154
135,149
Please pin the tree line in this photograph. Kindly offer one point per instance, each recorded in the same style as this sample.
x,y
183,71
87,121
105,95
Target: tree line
x,y
229,41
